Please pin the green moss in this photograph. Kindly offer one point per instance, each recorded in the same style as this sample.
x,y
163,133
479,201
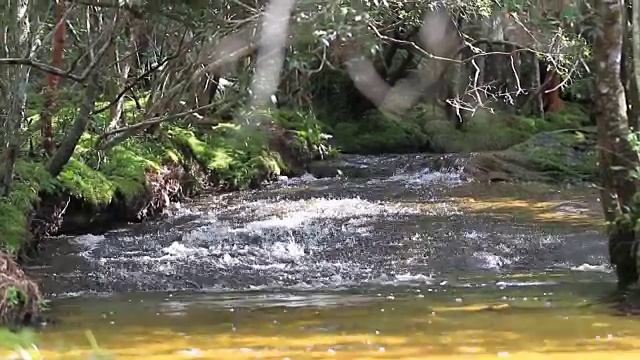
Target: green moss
x,y
571,116
488,132
379,133
312,135
236,157
557,156
561,155
479,135
81,181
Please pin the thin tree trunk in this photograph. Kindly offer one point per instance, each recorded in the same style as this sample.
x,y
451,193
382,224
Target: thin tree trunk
x,y
18,101
128,64
65,151
57,53
635,82
615,153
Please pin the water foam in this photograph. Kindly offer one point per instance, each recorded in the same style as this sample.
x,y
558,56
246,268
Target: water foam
x,y
345,233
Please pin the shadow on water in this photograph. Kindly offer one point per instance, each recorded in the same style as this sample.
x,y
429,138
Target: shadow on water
x,y
405,262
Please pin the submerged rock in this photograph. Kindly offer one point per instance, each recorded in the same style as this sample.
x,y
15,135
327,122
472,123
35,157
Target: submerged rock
x,y
364,166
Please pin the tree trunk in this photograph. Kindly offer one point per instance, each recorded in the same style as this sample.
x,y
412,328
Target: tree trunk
x,y
551,96
65,151
49,107
635,80
18,101
615,153
122,68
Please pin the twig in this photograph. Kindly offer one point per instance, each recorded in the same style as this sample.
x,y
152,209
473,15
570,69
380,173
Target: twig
x,y
157,120
134,82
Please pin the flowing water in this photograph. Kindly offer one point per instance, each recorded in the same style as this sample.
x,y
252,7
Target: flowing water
x,y
408,262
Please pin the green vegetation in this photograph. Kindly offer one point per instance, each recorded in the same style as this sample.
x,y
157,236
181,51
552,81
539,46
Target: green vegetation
x,y
230,157
378,133
556,156
424,129
153,114
23,345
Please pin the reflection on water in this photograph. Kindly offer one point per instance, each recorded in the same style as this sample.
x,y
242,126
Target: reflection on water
x,y
510,315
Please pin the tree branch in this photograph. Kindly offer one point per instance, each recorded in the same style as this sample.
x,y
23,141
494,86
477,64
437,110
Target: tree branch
x,y
134,82
42,67
156,120
57,71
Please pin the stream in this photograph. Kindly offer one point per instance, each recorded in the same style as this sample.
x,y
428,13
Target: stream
x,y
404,262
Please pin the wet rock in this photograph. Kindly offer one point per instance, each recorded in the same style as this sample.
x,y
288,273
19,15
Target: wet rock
x,y
338,167
285,143
359,166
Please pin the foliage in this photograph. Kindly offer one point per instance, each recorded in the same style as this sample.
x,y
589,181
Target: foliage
x,y
127,164
311,133
14,226
378,133
424,128
81,181
12,340
31,178
236,158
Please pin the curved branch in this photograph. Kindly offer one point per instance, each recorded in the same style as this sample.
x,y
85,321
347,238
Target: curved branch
x,y
42,67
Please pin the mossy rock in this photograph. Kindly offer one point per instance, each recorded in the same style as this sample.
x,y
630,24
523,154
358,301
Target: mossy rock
x,y
557,156
489,132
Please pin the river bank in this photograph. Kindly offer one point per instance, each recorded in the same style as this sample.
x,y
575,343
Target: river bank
x,y
130,183
138,179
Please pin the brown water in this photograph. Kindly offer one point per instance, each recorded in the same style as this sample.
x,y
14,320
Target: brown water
x,y
549,316
409,266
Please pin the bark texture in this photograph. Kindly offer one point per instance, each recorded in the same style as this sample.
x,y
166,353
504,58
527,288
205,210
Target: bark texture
x,y
615,153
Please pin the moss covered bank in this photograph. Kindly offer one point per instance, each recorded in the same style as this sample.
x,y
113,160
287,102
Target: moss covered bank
x,y
136,179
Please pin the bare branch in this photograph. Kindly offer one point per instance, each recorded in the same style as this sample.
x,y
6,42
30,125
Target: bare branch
x,y
42,67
